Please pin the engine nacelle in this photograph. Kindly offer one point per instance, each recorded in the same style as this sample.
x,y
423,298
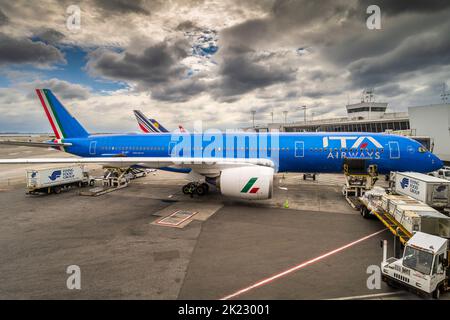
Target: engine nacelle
x,y
252,182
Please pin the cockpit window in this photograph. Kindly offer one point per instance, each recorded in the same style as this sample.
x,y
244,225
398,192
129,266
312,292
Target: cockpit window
x,y
422,149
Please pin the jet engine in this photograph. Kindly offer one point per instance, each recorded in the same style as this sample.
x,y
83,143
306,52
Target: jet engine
x,y
252,182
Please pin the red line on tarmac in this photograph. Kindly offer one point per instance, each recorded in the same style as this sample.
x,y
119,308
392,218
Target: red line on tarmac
x,y
298,267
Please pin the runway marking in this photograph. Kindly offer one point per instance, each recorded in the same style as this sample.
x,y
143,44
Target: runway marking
x,y
368,296
300,266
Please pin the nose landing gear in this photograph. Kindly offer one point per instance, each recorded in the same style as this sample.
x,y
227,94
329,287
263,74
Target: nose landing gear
x,y
195,188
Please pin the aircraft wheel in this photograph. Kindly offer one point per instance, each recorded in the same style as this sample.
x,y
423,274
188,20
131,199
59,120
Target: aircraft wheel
x,y
202,189
187,188
57,190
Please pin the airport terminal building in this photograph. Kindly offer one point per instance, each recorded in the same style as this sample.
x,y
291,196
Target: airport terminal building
x,y
429,124
361,117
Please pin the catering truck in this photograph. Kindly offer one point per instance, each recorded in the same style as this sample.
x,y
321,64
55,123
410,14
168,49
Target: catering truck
x,y
423,268
433,191
55,180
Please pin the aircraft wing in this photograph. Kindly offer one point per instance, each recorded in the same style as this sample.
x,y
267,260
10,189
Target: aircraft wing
x,y
33,144
203,166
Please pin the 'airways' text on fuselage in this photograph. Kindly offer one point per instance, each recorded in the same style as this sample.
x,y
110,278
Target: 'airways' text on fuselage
x,y
354,154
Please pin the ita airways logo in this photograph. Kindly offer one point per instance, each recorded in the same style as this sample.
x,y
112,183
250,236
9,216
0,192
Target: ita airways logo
x,y
404,183
248,188
55,175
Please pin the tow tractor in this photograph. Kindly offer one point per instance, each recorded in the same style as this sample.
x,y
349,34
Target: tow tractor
x,y
423,268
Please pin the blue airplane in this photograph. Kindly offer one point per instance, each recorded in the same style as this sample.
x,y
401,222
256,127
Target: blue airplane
x,y
240,164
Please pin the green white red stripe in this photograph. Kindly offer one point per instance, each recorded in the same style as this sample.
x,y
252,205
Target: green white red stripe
x,y
248,186
51,114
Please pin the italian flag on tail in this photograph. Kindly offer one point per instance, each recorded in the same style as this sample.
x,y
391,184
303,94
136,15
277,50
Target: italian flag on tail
x,y
63,124
44,97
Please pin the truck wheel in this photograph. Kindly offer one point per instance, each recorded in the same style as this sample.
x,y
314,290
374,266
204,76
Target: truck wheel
x,y
57,190
437,293
92,182
365,213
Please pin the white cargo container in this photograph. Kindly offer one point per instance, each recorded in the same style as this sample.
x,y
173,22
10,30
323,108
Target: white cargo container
x,y
431,190
423,218
390,201
56,179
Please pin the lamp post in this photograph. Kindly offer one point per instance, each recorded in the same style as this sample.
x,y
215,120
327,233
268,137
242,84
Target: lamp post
x,y
253,116
304,113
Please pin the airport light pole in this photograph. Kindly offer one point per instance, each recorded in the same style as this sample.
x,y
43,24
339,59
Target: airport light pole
x,y
285,116
304,113
253,116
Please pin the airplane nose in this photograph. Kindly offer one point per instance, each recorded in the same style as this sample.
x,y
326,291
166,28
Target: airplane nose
x,y
436,163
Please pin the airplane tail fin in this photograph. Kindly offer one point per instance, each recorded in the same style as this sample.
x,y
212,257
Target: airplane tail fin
x,y
64,125
158,125
144,124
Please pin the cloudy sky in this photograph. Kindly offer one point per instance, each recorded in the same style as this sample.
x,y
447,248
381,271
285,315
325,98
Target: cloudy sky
x,y
181,61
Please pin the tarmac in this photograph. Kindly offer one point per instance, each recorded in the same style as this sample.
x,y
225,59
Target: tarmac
x,y
317,248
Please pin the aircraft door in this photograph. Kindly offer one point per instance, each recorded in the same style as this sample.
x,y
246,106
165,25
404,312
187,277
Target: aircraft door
x,y
299,149
394,150
92,147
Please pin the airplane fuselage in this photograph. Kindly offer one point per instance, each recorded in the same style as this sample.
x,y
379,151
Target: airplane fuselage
x,y
292,152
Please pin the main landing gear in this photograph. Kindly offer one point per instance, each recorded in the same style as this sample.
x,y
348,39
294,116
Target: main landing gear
x,y
195,188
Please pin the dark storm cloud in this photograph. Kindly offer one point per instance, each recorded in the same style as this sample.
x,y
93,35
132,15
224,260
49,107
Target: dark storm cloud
x,y
186,26
155,65
243,70
63,89
413,54
413,36
123,6
3,18
397,7
181,91
50,36
391,90
22,50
